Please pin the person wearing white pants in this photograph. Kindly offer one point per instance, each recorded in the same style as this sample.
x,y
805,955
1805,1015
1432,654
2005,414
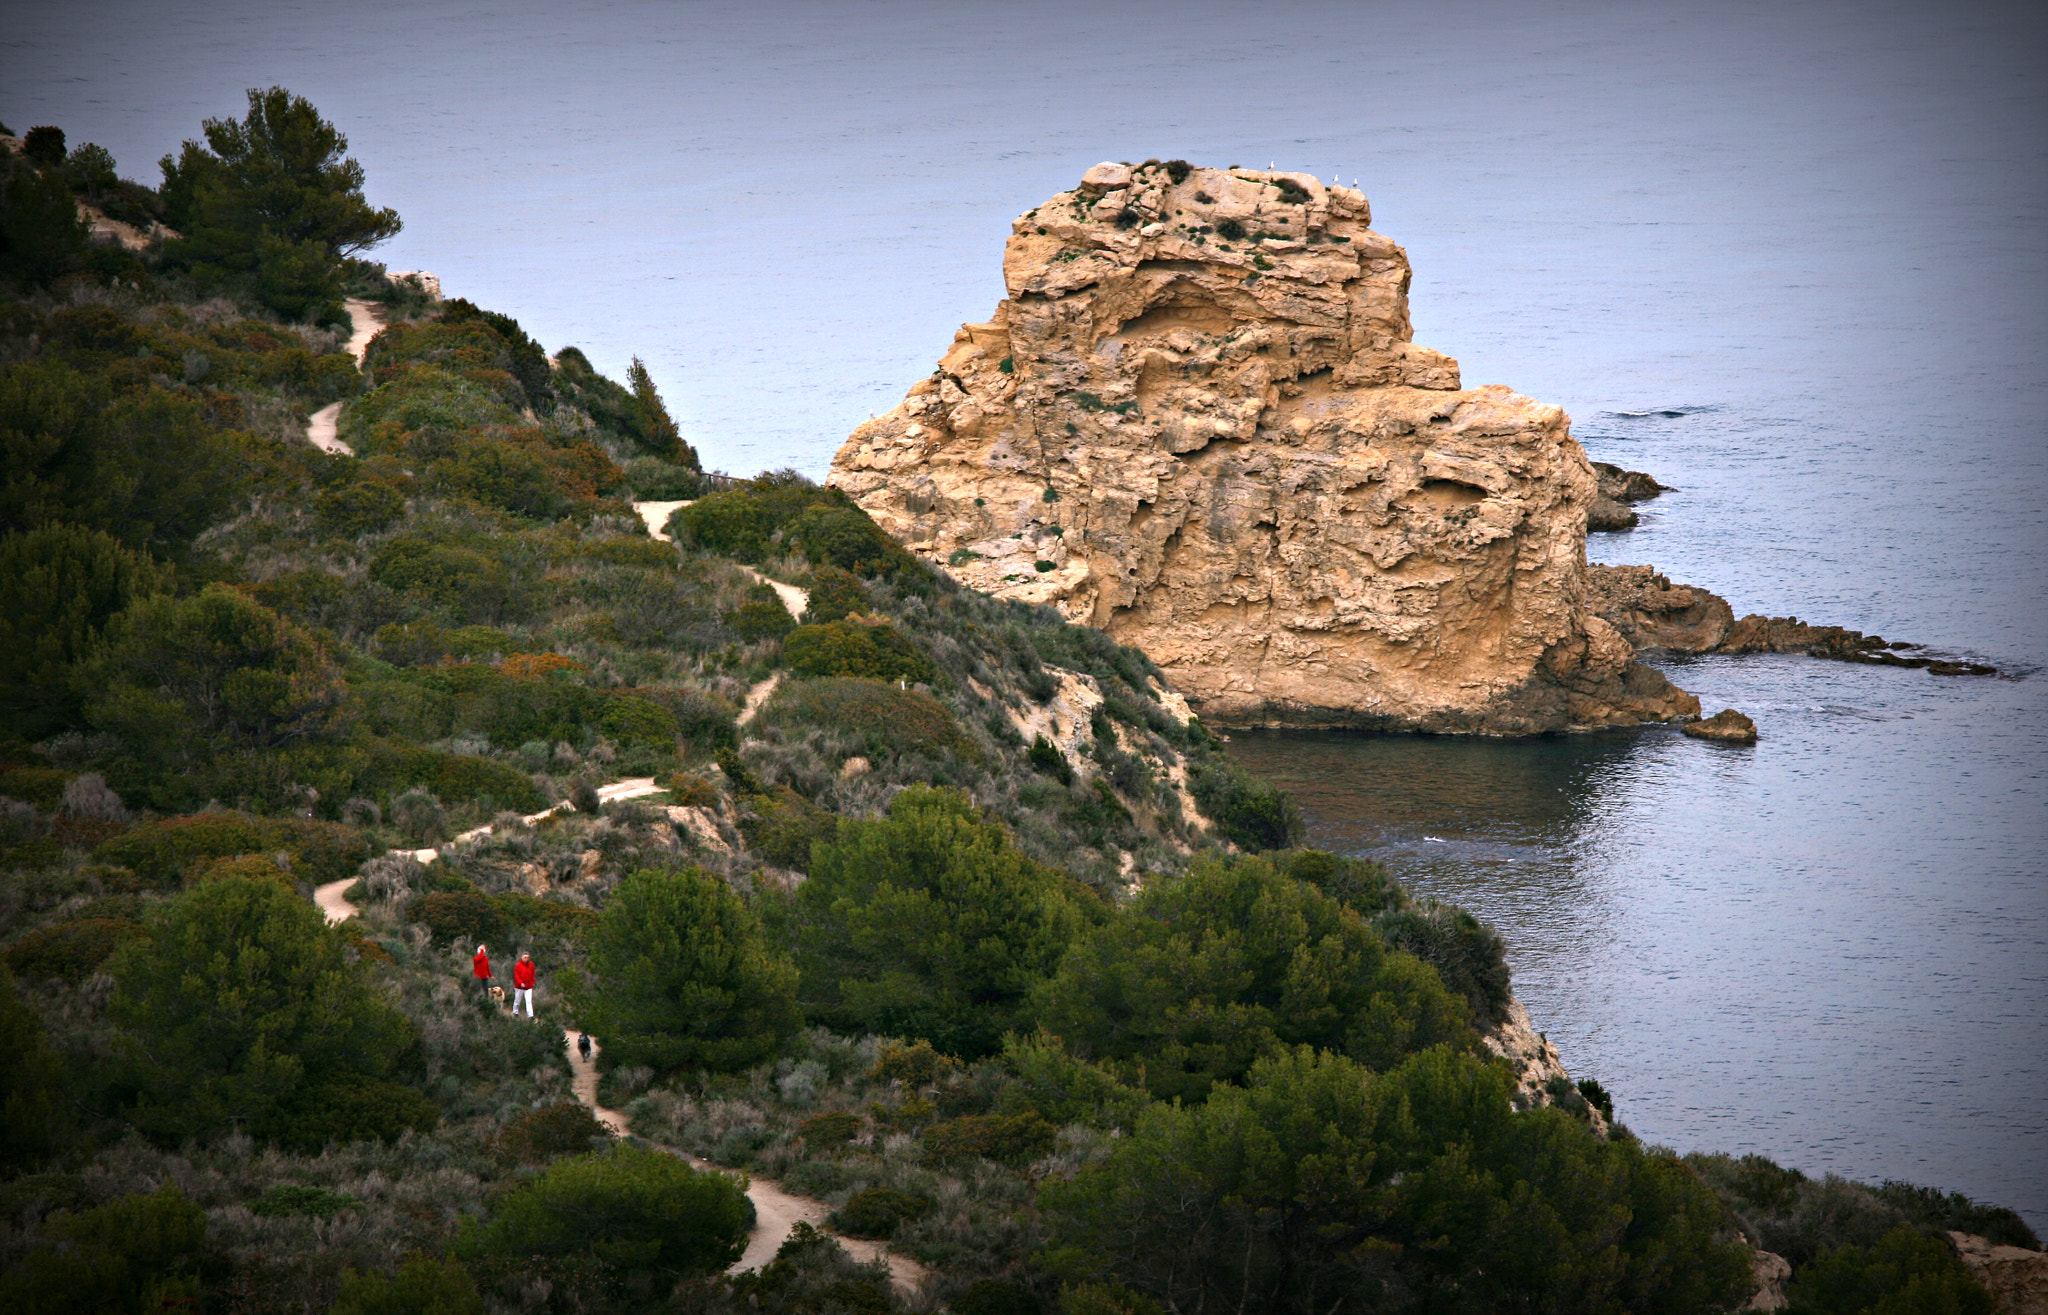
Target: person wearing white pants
x,y
522,985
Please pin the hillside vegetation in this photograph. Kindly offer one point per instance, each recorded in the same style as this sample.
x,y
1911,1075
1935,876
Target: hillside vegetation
x,y
937,908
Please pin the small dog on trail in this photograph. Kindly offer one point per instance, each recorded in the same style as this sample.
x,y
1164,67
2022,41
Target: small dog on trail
x,y
583,1045
497,995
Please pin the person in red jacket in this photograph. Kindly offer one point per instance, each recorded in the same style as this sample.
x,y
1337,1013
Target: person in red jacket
x,y
481,966
522,985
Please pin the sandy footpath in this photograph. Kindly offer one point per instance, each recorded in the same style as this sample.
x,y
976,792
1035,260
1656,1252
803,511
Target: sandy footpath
x,y
323,426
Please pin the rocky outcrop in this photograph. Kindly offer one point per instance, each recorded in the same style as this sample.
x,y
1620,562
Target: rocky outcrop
x,y
1199,423
1659,617
1768,1270
2016,1278
1616,489
1727,726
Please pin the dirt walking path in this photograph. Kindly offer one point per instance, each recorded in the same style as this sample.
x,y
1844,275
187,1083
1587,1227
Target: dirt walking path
x,y
656,514
776,1212
323,426
328,897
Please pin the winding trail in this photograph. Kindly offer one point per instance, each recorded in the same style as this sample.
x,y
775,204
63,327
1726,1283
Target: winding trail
x,y
323,426
776,1212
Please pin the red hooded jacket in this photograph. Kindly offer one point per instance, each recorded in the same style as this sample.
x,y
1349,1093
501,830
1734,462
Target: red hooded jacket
x,y
522,974
483,966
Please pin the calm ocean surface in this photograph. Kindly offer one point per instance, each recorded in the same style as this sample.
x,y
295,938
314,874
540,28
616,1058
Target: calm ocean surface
x,y
1788,258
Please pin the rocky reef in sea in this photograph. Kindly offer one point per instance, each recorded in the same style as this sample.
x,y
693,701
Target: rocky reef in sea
x,y
1198,421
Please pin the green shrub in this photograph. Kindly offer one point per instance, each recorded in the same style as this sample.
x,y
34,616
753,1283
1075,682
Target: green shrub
x,y
848,648
686,978
996,1296
546,917
1272,1197
630,1221
163,851
1928,1207
655,480
358,507
1360,884
761,616
1004,1138
135,1255
633,720
288,1199
564,1127
834,595
830,1129
915,1064
1178,170
1046,757
1248,812
1468,954
733,523
1188,985
878,1212
929,923
882,720
1291,191
1231,229
1596,1095
34,1095
71,951
1903,1273
460,917
846,537
783,827
41,786
422,1286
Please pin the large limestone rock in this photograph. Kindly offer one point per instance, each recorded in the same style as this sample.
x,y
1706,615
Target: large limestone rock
x,y
1198,422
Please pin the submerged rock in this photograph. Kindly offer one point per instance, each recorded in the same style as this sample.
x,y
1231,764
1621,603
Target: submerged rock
x,y
1198,422
1727,726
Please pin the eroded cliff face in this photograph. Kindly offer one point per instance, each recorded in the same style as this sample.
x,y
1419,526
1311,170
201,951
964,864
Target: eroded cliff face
x,y
1198,422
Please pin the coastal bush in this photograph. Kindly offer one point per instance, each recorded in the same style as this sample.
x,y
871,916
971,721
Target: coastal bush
x,y
72,950
421,1286
627,1223
878,1212
1467,954
242,1010
1189,985
1360,884
834,595
876,719
928,923
850,648
1902,1271
1248,812
34,1095
134,1255
59,587
1005,1138
563,1127
1322,1182
464,917
685,977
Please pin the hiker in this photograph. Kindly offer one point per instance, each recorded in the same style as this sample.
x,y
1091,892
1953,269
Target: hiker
x,y
481,966
522,984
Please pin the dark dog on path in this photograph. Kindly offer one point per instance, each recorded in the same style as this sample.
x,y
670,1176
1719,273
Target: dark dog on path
x,y
583,1045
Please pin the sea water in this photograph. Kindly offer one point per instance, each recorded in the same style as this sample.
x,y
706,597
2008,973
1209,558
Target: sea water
x,y
1786,258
